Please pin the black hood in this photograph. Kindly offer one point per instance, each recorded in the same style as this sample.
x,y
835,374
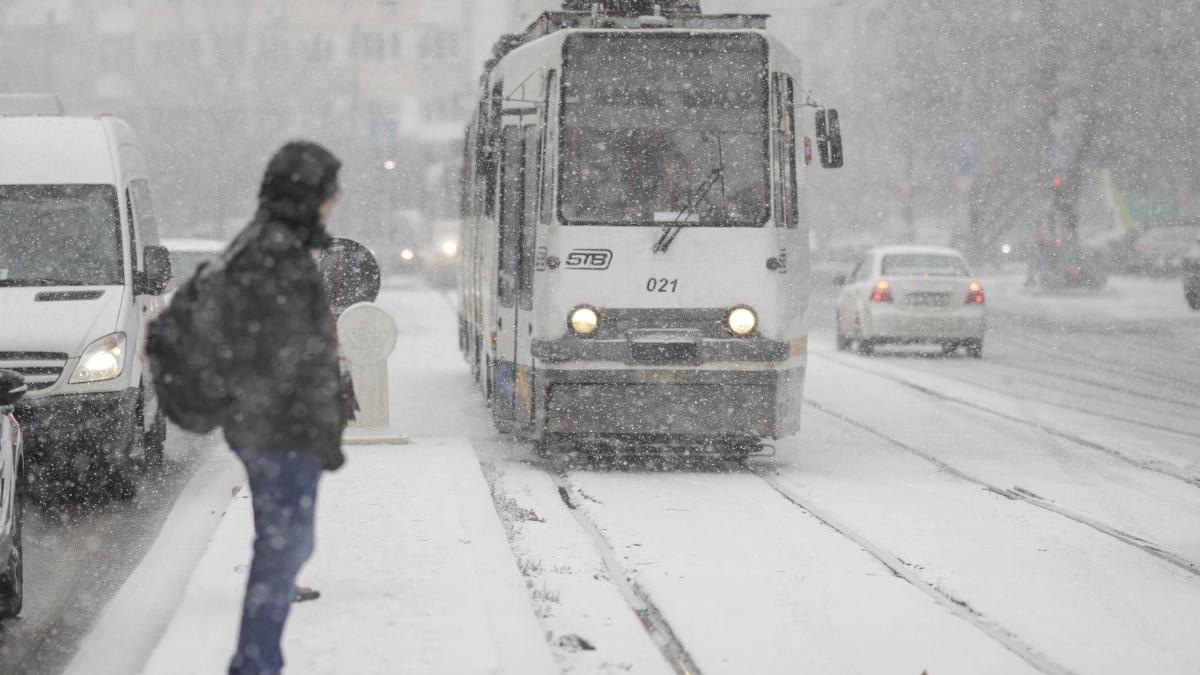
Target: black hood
x,y
298,180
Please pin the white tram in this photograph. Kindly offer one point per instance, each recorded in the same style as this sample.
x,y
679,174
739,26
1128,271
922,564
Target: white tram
x,y
635,249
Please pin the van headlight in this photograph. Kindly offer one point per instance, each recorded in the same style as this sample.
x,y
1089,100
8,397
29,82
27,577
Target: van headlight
x,y
584,320
742,321
103,360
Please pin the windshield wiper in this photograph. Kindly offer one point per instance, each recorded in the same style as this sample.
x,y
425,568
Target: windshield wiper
x,y
9,283
698,195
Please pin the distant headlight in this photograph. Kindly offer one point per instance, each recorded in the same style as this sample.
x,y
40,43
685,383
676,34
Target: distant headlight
x,y
103,360
407,254
742,321
449,248
584,320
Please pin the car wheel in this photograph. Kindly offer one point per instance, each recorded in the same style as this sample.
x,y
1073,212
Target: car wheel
x,y
975,348
12,581
1193,299
843,342
866,346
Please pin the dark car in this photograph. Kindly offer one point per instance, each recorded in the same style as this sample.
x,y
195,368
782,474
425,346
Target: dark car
x,y
12,572
1191,279
1161,251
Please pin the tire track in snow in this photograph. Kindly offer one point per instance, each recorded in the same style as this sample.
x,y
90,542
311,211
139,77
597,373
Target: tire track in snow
x,y
958,376
904,572
652,619
1145,465
1018,494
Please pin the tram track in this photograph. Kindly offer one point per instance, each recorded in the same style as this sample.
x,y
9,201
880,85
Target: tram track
x,y
1135,462
1018,494
956,606
652,620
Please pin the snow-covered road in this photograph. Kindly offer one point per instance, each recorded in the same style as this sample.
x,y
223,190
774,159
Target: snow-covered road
x,y
1031,512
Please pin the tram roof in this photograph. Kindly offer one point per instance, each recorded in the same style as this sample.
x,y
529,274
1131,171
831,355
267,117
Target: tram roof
x,y
552,22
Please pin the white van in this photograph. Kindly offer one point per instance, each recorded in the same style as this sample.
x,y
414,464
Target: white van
x,y
81,274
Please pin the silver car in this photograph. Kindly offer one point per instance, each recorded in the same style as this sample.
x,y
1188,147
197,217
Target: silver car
x,y
12,591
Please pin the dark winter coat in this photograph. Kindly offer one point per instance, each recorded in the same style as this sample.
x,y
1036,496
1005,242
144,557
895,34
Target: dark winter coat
x,y
285,383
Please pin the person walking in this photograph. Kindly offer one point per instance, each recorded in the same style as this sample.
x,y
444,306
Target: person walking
x,y
286,413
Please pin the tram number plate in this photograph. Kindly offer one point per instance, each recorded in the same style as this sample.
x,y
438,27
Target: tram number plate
x,y
662,285
928,299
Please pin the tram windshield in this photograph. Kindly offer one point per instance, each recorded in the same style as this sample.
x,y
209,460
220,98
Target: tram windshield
x,y
666,128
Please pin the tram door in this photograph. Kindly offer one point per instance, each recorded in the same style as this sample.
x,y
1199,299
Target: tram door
x,y
520,188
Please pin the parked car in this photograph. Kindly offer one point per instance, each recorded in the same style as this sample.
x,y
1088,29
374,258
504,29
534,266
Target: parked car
x,y
187,254
82,268
908,295
1191,280
12,482
1161,251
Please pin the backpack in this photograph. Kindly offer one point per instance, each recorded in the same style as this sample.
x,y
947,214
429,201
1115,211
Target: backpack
x,y
188,354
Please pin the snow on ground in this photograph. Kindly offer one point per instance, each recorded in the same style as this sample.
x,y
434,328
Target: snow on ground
x,y
1014,456
458,554
1082,599
751,584
590,627
1124,302
415,574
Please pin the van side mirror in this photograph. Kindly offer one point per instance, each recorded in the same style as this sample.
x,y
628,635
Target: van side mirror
x,y
839,280
154,280
12,387
829,138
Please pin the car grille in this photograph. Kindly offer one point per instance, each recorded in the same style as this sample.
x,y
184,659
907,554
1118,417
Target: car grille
x,y
41,369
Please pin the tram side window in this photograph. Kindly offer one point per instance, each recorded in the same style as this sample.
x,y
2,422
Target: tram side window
x,y
785,150
550,140
512,204
490,151
528,227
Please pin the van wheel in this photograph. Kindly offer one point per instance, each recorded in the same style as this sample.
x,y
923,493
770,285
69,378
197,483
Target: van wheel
x,y
12,581
154,439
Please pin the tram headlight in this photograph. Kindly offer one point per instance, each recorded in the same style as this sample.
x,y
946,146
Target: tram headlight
x,y
742,321
584,320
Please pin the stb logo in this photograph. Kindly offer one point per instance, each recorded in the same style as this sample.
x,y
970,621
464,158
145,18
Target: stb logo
x,y
589,259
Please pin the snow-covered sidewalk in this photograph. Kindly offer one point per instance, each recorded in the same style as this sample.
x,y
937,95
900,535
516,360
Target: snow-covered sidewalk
x,y
414,569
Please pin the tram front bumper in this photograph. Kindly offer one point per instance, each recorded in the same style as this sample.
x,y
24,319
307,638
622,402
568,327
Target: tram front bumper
x,y
663,348
703,403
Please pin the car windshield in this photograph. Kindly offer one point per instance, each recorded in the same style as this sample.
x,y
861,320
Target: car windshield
x,y
59,235
923,264
665,129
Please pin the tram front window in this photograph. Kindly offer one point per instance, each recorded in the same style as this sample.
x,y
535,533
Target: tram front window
x,y
665,129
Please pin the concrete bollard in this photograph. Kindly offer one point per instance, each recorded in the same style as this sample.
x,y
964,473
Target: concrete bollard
x,y
368,337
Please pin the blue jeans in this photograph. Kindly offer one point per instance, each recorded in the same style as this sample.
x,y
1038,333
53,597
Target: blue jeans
x,y
283,486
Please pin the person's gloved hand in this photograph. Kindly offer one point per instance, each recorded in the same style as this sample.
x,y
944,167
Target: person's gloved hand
x,y
332,461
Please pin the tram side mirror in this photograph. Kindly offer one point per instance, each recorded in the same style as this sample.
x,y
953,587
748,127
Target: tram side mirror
x,y
829,138
350,274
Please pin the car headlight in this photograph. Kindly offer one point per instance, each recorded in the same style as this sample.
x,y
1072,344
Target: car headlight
x,y
742,321
449,248
103,360
407,254
584,320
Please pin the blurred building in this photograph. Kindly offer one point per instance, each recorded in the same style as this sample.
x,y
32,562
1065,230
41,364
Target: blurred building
x,y
213,86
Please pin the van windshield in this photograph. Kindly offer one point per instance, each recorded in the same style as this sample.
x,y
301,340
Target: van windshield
x,y
60,235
